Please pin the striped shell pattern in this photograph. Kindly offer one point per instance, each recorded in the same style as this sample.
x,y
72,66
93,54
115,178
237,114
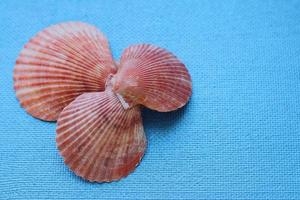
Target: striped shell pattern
x,y
66,73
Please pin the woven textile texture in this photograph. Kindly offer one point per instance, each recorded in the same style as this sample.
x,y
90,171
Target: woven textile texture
x,y
239,136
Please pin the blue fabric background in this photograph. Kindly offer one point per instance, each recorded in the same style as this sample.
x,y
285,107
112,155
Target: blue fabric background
x,y
238,138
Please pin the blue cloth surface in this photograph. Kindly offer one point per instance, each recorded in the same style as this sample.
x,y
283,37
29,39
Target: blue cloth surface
x,y
239,136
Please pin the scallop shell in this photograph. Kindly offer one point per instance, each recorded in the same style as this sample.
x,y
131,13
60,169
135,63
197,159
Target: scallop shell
x,y
98,139
153,77
58,64
60,74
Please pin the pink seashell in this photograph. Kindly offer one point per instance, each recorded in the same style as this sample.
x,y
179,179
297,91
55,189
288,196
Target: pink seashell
x,y
98,139
153,77
60,63
60,74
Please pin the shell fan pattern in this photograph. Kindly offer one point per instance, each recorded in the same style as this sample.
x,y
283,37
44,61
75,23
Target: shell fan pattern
x,y
66,73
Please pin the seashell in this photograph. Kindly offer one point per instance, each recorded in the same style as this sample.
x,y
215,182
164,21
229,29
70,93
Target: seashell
x,y
153,77
58,64
98,139
60,75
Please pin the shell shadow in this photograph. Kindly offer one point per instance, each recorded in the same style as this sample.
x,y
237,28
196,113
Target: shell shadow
x,y
162,120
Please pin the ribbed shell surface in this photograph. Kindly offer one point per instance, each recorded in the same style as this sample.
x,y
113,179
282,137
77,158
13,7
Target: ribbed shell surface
x,y
98,139
58,64
154,77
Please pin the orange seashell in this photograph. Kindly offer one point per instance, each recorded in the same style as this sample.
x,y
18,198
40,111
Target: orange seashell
x,y
58,64
153,77
98,139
